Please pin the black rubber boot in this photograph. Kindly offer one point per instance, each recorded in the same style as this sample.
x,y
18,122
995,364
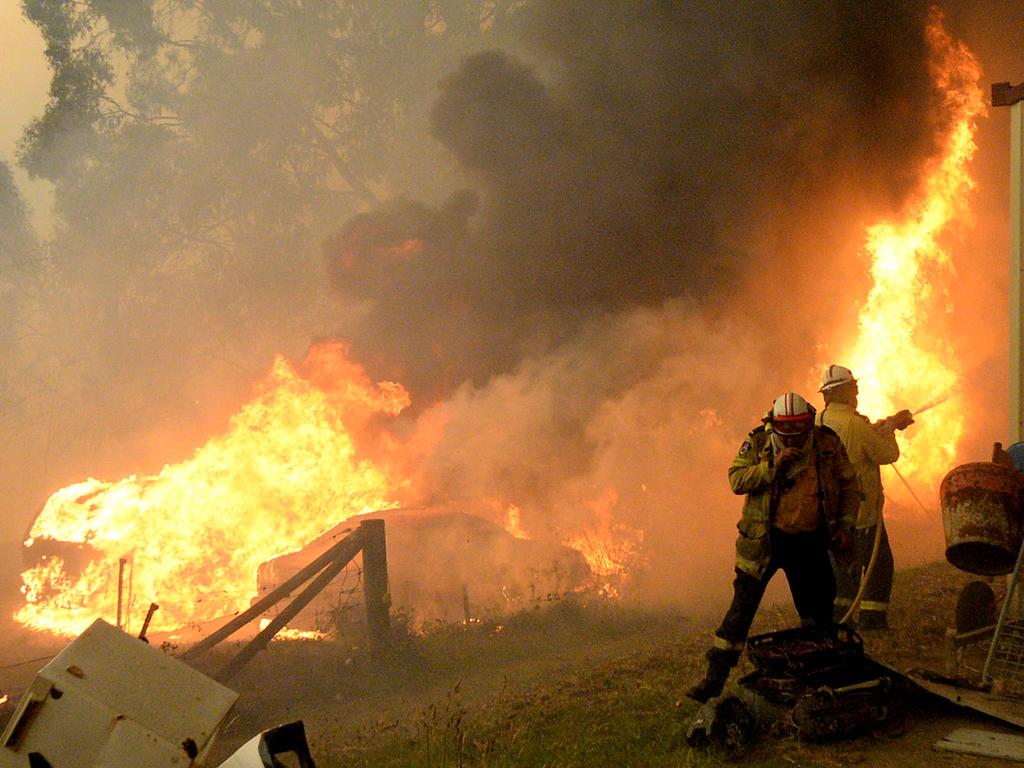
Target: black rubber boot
x,y
720,664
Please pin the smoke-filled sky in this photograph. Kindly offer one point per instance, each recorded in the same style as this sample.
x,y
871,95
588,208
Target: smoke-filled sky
x,y
24,75
24,81
619,232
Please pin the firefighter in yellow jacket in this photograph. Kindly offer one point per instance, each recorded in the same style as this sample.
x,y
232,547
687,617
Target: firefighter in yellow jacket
x,y
868,445
801,502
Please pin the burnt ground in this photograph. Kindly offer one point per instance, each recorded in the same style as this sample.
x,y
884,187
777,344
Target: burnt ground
x,y
534,663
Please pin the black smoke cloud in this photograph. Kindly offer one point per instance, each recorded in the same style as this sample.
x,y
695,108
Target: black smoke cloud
x,y
623,156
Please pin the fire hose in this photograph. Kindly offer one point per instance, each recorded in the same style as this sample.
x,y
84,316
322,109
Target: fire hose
x,y
867,574
879,526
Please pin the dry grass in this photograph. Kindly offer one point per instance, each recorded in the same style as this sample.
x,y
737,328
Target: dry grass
x,y
578,683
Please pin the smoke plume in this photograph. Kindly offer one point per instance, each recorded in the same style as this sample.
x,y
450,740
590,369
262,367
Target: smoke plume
x,y
630,159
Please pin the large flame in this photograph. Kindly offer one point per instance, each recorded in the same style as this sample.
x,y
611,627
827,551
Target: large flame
x,y
192,536
898,358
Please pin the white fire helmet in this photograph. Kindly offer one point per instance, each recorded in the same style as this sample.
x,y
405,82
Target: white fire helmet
x,y
792,414
836,376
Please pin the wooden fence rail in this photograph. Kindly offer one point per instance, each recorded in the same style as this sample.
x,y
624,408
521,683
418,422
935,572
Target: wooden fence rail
x,y
369,538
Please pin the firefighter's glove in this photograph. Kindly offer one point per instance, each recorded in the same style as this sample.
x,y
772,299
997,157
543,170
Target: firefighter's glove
x,y
842,543
902,420
786,457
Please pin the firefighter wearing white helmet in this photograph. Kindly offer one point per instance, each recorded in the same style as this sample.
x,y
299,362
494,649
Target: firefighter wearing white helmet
x,y
836,376
868,446
801,503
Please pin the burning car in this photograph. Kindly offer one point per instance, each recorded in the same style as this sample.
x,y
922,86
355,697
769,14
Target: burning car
x,y
296,466
443,567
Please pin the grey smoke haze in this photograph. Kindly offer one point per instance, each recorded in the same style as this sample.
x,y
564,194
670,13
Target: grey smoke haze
x,y
604,241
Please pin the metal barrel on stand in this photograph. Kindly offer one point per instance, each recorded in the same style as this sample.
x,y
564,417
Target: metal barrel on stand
x,y
983,517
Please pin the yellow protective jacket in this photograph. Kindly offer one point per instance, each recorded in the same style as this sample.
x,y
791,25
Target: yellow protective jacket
x,y
753,473
867,447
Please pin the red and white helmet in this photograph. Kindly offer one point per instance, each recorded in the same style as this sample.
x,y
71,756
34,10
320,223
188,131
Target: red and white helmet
x,y
791,414
836,376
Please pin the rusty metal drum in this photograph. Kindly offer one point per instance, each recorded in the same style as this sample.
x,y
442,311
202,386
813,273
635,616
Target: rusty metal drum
x,y
983,516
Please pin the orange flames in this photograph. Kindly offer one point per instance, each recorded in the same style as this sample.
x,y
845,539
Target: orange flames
x,y
611,548
513,522
287,469
193,535
899,360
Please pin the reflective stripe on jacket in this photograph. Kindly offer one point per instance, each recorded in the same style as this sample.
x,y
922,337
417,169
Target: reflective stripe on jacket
x,y
867,448
753,473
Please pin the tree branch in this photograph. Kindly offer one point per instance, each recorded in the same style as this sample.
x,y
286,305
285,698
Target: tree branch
x,y
358,186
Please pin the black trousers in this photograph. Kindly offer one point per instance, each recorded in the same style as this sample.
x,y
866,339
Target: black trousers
x,y
804,558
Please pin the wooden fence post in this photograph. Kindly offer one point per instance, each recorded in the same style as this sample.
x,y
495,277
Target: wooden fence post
x,y
261,640
344,550
120,591
375,587
370,539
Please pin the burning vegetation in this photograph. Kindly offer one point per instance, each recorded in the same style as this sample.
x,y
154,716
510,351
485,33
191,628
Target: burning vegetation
x,y
194,534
